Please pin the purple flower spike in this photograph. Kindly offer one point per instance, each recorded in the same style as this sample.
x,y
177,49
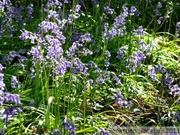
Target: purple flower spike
x,y
159,5
2,85
107,58
152,73
14,81
175,90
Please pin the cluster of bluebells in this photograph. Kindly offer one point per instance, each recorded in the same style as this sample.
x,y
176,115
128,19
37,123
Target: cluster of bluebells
x,y
74,14
139,31
145,48
52,3
103,77
79,67
49,47
62,67
30,11
135,61
166,81
12,17
109,10
68,126
120,101
15,58
8,113
77,47
8,98
118,28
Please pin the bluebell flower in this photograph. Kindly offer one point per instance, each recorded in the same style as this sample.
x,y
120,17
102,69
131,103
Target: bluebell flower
x,y
14,81
85,38
2,85
159,5
152,73
53,14
177,29
52,3
1,67
24,35
166,80
69,126
30,11
178,24
157,13
112,33
160,69
8,113
120,53
160,20
35,52
60,69
175,90
11,98
56,132
119,21
94,65
71,51
125,10
54,51
77,8
2,131
118,82
108,10
107,58
132,10
67,1
139,31
79,67
120,101
138,57
86,51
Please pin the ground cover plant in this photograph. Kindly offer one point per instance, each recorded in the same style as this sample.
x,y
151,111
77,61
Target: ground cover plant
x,y
89,66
